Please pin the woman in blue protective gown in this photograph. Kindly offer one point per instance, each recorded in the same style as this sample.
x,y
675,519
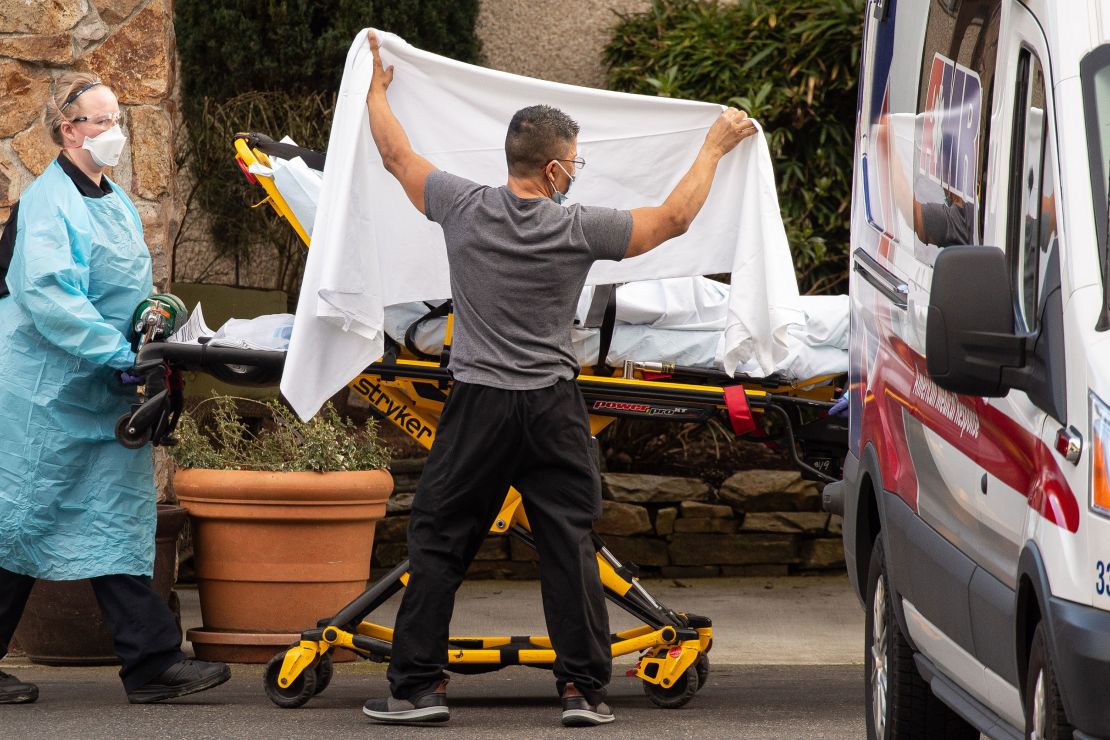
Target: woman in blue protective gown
x,y
74,503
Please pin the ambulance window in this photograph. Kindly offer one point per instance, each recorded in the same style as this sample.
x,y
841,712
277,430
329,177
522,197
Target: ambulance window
x,y
1095,74
954,100
1031,229
878,62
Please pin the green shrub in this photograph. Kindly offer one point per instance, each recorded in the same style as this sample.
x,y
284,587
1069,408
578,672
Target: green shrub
x,y
274,66
792,64
229,47
216,436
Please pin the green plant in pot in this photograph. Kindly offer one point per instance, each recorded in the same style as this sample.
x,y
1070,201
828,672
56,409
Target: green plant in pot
x,y
282,514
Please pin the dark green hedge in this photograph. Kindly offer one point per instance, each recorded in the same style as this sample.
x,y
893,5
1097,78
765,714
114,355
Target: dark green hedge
x,y
274,66
792,64
229,47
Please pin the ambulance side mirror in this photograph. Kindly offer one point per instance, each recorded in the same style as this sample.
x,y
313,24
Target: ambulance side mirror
x,y
970,343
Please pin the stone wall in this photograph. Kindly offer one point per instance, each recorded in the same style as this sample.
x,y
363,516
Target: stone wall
x,y
757,523
130,44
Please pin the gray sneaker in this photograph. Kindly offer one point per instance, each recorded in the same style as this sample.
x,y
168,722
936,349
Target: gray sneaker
x,y
426,706
579,712
14,691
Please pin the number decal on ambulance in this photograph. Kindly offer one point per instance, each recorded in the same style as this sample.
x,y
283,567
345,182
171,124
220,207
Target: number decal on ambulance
x,y
1103,569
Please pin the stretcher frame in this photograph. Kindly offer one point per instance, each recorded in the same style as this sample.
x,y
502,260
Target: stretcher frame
x,y
410,393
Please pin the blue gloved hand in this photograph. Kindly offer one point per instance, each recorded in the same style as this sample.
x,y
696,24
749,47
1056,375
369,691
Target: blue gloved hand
x,y
127,378
840,408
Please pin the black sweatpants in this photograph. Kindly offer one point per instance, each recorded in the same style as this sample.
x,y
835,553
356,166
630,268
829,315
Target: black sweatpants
x,y
488,439
143,628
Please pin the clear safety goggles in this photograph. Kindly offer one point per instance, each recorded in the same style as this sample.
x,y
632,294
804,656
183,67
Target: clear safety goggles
x,y
100,120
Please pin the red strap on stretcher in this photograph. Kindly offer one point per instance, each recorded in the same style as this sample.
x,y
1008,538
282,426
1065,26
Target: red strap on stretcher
x,y
736,401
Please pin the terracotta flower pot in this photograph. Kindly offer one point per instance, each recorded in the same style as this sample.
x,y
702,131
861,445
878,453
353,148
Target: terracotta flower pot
x,y
62,625
276,552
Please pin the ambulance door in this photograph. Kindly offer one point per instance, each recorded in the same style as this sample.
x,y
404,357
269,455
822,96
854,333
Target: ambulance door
x,y
945,179
1022,220
882,244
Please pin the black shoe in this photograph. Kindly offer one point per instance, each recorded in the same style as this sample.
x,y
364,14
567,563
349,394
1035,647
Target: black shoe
x,y
579,712
426,706
14,691
185,677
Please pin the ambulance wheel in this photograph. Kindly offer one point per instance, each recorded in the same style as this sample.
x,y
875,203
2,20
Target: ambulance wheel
x,y
125,437
677,694
899,702
295,694
1044,709
702,668
324,672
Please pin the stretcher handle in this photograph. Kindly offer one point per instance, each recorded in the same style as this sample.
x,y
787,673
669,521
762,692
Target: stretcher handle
x,y
233,365
268,146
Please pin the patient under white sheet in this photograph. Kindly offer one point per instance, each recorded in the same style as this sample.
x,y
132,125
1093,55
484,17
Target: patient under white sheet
x,y
679,320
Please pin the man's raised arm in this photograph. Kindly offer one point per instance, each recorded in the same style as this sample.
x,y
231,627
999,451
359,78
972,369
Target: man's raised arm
x,y
653,226
410,169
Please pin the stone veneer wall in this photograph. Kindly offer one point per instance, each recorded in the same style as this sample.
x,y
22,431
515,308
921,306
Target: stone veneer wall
x,y
757,523
130,44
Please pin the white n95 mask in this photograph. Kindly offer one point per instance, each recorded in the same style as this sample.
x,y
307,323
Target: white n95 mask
x,y
106,147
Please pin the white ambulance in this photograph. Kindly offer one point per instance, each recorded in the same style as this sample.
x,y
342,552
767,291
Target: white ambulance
x,y
976,493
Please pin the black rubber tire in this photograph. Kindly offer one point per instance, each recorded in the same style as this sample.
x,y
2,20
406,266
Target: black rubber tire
x,y
128,440
676,695
702,668
1056,725
297,693
911,709
325,670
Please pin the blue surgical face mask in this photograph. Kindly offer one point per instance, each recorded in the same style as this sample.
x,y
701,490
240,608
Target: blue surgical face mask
x,y
558,197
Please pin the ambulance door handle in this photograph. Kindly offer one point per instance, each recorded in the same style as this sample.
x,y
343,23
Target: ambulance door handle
x,y
880,278
1069,443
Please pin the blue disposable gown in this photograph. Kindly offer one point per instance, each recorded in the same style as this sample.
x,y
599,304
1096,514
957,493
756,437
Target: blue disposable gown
x,y
73,502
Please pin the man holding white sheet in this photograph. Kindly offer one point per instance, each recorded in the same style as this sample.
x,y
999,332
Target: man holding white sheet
x,y
518,260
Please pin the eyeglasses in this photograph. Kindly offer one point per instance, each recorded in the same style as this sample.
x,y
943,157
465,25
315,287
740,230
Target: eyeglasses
x,y
106,120
577,161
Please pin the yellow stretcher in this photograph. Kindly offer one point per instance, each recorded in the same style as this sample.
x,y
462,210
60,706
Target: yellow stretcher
x,y
673,645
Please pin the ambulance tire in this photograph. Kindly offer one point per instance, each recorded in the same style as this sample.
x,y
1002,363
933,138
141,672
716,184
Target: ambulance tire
x,y
1044,710
899,703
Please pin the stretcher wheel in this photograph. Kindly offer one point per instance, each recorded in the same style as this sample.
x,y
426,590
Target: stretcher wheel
x,y
126,438
702,667
295,694
324,672
676,695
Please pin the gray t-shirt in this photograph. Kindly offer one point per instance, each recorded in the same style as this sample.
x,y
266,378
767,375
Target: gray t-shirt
x,y
946,225
517,268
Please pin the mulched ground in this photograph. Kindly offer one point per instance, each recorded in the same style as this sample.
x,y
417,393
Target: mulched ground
x,y
707,451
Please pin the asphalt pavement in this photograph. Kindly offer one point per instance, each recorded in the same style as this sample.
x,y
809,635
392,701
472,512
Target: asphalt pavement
x,y
786,663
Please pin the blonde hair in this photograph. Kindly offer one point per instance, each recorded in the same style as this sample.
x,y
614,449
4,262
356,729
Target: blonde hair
x,y
67,84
